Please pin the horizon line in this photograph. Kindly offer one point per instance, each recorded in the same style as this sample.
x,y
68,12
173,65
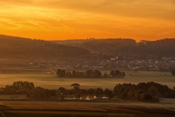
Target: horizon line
x,y
73,39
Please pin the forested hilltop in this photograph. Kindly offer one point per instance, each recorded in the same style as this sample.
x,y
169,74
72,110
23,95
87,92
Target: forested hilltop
x,y
16,47
126,47
27,48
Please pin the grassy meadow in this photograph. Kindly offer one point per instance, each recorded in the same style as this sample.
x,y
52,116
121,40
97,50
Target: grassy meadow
x,y
51,81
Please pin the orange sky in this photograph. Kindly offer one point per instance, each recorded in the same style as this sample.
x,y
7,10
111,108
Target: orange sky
x,y
75,19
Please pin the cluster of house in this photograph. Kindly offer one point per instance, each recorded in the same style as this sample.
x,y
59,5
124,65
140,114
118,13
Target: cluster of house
x,y
162,64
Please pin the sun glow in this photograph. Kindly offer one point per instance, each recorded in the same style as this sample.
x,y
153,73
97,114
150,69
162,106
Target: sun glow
x,y
59,19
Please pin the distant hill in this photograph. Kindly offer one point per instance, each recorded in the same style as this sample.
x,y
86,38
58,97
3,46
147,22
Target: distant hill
x,y
127,47
17,47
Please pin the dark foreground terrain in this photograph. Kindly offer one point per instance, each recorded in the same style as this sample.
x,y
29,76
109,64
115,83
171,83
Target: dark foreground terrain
x,y
85,109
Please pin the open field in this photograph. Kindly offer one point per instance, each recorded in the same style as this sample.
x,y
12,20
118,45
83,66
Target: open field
x,y
50,81
18,66
101,109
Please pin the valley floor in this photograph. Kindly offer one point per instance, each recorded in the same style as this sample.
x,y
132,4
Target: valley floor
x,y
51,81
100,109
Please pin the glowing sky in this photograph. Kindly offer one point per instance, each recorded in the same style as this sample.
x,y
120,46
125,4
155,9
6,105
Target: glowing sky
x,y
70,19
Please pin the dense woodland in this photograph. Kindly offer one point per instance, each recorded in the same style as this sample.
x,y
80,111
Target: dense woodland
x,y
89,74
15,47
172,69
145,92
28,48
127,47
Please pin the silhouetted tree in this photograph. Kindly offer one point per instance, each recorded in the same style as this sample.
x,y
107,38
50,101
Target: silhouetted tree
x,y
117,73
173,72
99,92
97,74
90,73
62,90
108,93
61,73
91,91
105,75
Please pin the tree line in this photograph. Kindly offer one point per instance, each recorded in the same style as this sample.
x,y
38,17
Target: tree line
x,y
144,92
130,48
172,70
147,92
89,74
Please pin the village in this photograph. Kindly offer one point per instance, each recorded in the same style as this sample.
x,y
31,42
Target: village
x,y
127,64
